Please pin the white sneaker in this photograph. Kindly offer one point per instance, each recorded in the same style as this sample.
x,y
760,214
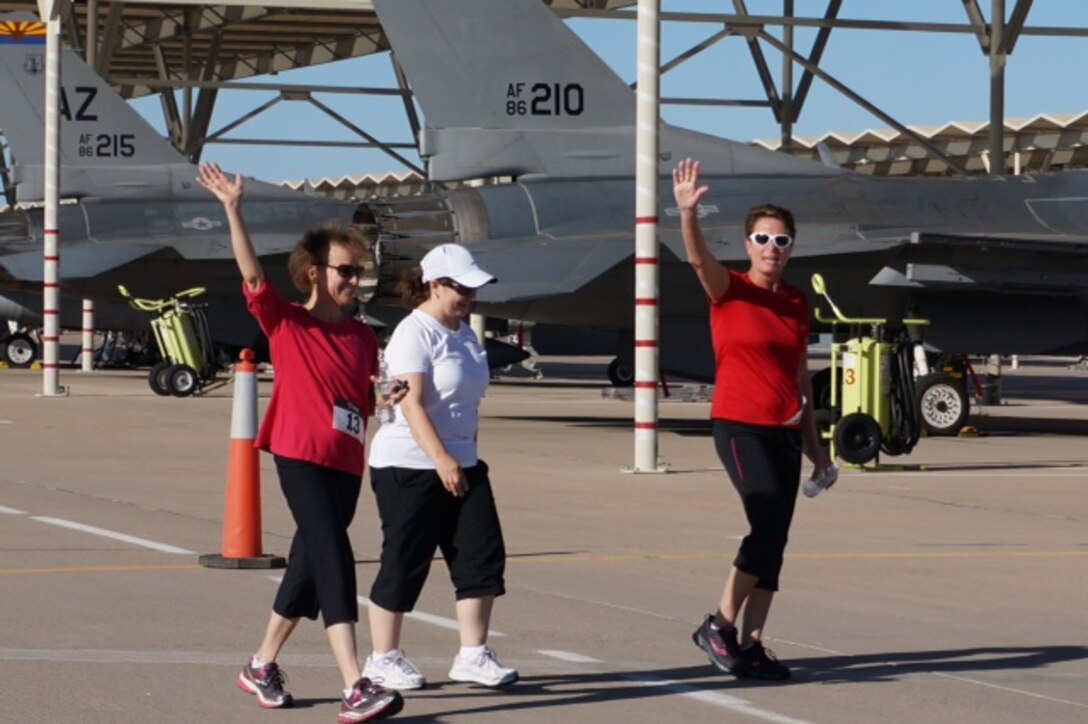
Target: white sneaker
x,y
484,669
393,671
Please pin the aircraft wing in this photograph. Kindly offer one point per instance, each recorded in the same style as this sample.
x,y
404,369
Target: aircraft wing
x,y
535,267
950,262
77,262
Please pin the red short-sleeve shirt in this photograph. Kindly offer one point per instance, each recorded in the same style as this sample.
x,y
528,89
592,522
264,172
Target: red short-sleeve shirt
x,y
322,378
759,337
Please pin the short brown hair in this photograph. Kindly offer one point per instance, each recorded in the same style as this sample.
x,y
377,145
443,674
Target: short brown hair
x,y
313,250
764,211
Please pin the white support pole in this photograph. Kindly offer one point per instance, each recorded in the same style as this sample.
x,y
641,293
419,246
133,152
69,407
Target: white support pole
x,y
86,356
91,50
51,250
646,255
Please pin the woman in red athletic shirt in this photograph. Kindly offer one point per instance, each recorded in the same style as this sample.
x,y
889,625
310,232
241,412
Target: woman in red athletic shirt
x,y
761,412
315,429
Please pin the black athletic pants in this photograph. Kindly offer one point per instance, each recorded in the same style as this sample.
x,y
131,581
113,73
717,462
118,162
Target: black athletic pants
x,y
320,575
764,464
419,516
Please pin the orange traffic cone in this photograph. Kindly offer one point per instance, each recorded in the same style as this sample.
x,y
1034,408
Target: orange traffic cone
x,y
242,519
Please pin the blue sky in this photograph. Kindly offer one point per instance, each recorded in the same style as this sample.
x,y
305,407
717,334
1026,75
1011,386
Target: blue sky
x,y
919,79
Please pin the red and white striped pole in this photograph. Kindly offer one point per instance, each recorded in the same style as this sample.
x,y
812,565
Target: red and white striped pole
x,y
51,248
242,516
646,254
87,353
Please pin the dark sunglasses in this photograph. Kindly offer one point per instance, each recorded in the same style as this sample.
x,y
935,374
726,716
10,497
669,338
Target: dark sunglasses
x,y
782,241
347,271
459,288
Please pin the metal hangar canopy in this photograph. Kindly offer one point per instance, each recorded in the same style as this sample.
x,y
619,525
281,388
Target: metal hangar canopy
x,y
142,48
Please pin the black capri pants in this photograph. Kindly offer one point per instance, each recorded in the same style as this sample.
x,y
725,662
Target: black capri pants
x,y
418,516
320,573
764,464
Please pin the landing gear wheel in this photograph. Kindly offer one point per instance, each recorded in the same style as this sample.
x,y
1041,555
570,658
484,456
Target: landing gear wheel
x,y
857,438
20,350
182,380
942,404
156,379
620,373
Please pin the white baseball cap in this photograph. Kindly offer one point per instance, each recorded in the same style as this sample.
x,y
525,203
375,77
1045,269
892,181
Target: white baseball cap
x,y
453,261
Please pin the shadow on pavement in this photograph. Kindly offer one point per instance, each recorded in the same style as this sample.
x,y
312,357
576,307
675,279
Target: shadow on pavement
x,y
891,666
1008,425
557,691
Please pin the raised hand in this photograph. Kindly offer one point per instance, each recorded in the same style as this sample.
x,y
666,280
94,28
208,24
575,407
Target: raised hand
x,y
685,185
220,185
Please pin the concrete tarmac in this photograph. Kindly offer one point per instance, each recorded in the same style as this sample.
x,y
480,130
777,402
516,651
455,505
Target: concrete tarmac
x,y
951,590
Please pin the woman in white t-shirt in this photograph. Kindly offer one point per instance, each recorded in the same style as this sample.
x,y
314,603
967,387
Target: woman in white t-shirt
x,y
432,490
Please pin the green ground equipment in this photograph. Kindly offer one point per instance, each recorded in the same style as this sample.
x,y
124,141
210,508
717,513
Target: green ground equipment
x,y
872,396
189,364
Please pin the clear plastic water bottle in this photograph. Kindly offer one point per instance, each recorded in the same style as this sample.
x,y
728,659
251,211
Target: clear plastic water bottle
x,y
385,413
820,481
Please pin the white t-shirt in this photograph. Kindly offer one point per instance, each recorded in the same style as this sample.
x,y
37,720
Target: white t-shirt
x,y
455,378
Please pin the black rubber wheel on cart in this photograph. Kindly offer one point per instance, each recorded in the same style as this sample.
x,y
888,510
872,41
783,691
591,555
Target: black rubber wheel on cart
x,y
857,438
156,379
182,380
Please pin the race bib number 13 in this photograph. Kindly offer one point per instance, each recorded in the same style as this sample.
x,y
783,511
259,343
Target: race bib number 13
x,y
347,419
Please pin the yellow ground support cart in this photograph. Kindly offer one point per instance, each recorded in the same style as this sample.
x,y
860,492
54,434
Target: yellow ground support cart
x,y
873,400
189,364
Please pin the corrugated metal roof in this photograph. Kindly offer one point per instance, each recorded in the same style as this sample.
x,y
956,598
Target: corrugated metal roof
x,y
368,186
1041,143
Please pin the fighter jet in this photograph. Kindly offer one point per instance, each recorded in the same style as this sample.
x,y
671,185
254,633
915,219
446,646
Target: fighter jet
x,y
132,212
134,215
999,264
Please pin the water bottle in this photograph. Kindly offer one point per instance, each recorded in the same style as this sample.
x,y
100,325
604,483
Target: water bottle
x,y
820,481
385,413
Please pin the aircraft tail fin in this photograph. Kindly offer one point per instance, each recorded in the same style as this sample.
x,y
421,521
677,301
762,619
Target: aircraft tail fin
x,y
499,81
509,90
99,130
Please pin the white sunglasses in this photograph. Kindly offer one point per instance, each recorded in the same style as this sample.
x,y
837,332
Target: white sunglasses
x,y
782,241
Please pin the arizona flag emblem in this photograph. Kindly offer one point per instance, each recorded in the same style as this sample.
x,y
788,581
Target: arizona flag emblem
x,y
23,32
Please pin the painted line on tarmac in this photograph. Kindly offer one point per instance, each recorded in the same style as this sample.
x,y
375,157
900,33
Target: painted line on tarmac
x,y
940,554
1009,689
569,656
430,618
1049,471
94,569
725,701
113,535
119,656
650,557
440,621
811,647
